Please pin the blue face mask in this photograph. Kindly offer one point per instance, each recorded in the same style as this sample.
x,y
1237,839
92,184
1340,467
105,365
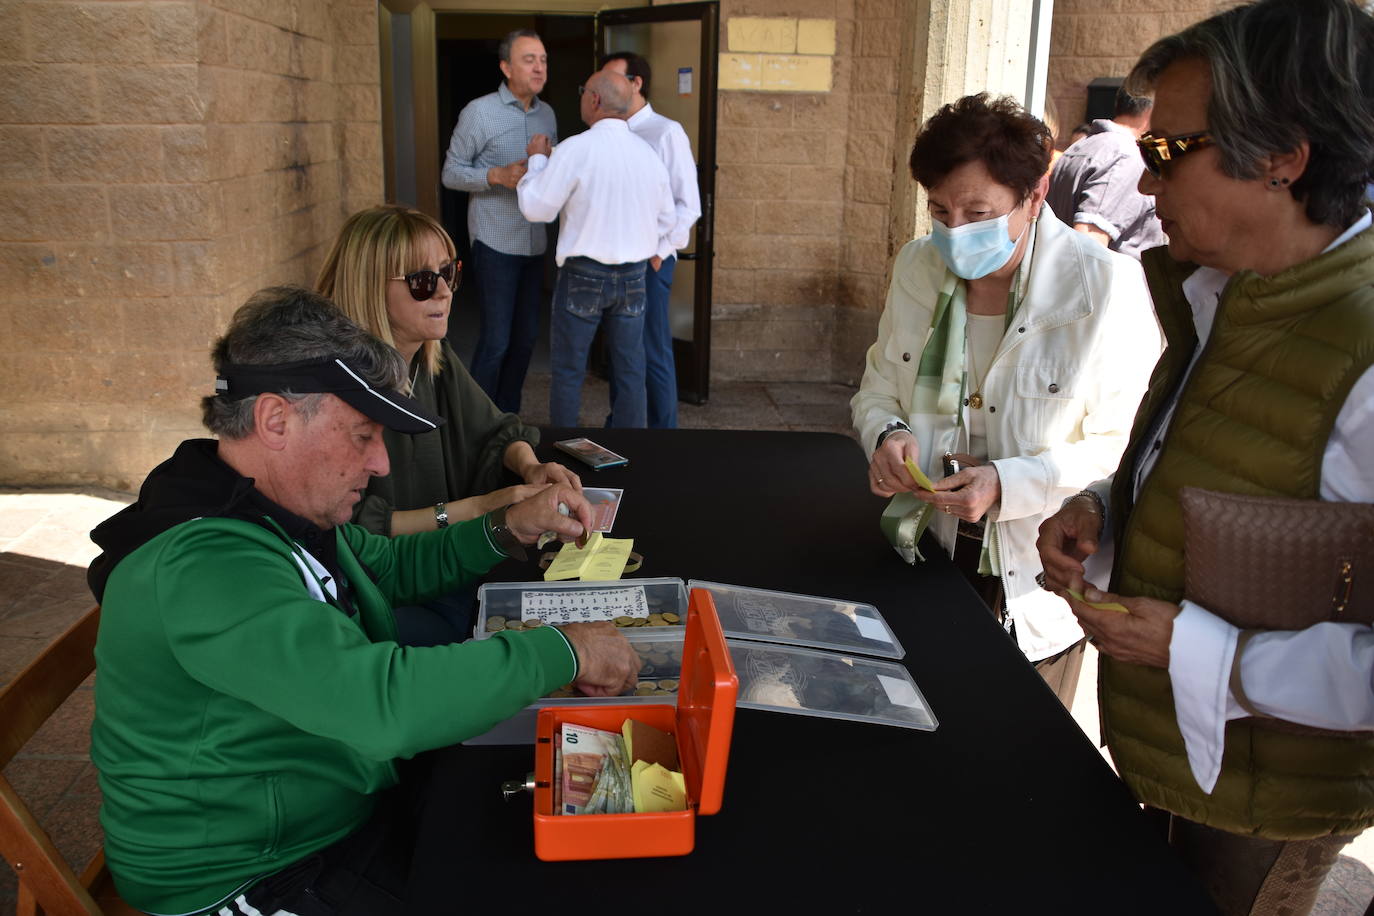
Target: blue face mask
x,y
975,250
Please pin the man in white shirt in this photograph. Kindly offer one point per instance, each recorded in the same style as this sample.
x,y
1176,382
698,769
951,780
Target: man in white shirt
x,y
615,202
670,141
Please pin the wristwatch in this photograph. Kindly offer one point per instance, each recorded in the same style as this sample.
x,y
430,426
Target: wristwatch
x,y
896,426
441,515
501,535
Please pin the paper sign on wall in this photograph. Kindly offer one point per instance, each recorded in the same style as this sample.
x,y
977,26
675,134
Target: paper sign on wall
x,y
684,80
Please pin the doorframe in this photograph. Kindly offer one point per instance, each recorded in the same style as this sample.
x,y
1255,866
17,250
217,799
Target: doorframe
x,y
694,384
407,40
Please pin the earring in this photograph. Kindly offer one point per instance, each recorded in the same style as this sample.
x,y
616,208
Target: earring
x,y
1273,184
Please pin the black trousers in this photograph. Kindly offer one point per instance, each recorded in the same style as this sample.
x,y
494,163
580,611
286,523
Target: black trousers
x,y
364,874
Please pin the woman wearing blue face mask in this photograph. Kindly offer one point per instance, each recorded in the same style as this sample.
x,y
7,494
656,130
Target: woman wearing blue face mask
x,y
1010,358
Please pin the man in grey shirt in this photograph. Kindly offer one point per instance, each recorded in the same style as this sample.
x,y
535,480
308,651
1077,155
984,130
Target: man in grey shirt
x,y
1093,186
486,158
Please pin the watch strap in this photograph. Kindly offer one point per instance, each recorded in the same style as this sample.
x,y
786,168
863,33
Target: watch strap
x,y
896,426
501,535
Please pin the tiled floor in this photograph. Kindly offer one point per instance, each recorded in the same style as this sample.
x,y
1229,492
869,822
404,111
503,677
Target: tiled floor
x,y
44,550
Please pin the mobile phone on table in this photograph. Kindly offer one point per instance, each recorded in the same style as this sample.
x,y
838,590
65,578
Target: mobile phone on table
x,y
589,453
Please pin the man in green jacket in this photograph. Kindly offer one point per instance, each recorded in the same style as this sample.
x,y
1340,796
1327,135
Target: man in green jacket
x,y
251,700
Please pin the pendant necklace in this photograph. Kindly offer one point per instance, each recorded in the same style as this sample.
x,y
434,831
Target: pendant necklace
x,y
975,400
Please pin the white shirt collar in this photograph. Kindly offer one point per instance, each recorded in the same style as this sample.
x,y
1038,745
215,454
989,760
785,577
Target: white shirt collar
x,y
642,115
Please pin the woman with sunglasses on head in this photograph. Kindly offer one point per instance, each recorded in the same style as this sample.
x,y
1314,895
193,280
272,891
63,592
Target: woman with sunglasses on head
x,y
394,271
1015,346
1249,725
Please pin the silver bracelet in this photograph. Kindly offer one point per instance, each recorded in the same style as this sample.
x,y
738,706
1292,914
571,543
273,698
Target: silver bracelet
x,y
441,515
1097,502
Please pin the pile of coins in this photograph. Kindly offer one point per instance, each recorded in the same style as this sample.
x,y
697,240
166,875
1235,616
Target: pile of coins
x,y
666,619
660,668
661,688
497,624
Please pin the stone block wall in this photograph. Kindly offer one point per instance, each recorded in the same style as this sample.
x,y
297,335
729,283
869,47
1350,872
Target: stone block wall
x,y
158,162
1093,38
802,192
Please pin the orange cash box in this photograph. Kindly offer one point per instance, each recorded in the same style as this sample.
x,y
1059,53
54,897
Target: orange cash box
x,y
700,724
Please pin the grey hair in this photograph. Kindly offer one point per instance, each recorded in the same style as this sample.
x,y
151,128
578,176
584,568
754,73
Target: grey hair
x,y
613,90
286,324
1285,71
503,49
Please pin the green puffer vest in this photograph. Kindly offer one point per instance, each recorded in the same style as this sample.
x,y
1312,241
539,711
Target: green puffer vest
x,y
1253,418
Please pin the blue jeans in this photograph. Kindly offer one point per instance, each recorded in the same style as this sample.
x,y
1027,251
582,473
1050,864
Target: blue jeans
x,y
660,372
508,286
587,295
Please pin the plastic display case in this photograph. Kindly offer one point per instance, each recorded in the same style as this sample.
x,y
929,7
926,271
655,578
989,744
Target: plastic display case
x,y
811,682
802,620
550,603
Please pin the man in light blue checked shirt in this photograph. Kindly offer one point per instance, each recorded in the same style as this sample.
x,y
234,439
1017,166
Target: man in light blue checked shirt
x,y
486,158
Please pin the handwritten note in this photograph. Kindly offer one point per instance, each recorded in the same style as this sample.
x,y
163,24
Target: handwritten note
x,y
574,605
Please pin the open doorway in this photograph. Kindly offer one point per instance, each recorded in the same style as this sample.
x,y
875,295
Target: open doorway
x,y
467,67
437,57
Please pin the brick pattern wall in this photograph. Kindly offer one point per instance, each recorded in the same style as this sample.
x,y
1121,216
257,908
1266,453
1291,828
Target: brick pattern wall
x,y
782,211
158,161
1092,38
872,165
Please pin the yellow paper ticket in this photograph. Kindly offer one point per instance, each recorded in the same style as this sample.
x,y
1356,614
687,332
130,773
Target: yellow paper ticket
x,y
1103,606
918,475
572,560
608,559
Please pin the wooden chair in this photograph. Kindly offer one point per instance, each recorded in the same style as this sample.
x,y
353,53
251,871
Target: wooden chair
x,y
47,884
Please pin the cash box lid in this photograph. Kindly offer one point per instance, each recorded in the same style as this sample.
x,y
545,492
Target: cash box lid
x,y
706,704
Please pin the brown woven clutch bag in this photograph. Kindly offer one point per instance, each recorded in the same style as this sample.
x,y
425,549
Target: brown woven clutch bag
x,y
1278,564
1265,563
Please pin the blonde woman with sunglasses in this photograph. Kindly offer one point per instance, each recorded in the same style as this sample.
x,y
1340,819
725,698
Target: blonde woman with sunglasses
x,y
394,271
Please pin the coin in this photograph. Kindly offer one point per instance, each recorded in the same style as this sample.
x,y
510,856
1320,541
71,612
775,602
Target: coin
x,y
496,618
515,625
640,622
624,621
495,625
644,691
671,617
668,683
532,623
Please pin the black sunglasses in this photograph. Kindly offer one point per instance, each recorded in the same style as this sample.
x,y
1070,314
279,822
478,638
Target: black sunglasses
x,y
1158,150
423,283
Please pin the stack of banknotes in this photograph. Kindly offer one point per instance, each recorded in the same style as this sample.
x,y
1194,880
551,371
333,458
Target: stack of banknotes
x,y
595,777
